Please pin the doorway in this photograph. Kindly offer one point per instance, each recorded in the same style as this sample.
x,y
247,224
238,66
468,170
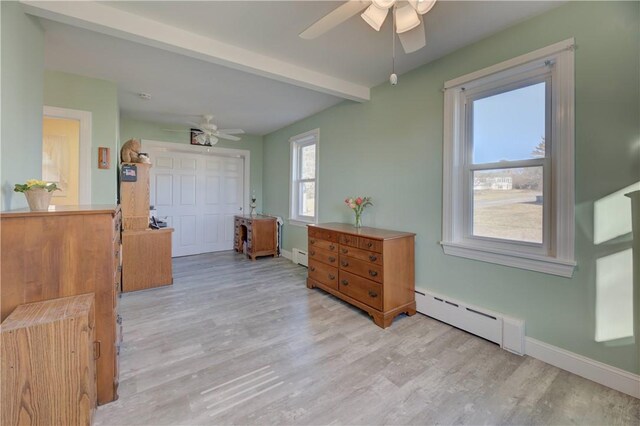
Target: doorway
x,y
66,154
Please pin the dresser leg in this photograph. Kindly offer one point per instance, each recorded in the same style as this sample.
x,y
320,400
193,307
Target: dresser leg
x,y
379,320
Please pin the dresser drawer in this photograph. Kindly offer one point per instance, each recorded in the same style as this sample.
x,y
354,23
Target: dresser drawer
x,y
369,244
324,256
349,240
323,244
359,267
325,274
323,234
361,289
367,256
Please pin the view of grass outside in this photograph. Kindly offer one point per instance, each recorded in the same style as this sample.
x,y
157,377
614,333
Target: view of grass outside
x,y
514,214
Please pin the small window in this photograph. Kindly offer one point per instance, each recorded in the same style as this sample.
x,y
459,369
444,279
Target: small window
x,y
304,178
508,181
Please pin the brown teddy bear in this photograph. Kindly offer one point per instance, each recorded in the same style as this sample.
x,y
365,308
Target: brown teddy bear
x,y
130,151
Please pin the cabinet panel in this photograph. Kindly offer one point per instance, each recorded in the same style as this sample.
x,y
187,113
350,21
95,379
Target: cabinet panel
x,y
325,274
367,256
324,256
322,244
362,268
369,244
361,289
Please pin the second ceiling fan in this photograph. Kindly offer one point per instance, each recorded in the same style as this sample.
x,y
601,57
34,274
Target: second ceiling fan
x,y
407,15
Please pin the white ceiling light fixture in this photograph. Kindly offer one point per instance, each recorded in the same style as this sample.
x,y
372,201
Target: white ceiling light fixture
x,y
409,24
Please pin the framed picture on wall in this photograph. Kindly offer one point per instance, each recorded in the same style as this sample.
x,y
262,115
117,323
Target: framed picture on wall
x,y
198,141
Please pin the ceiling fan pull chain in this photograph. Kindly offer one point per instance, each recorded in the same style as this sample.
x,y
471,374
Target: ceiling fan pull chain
x,y
393,78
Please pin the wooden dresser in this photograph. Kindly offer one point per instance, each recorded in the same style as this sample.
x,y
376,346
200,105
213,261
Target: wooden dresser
x,y
257,234
70,251
48,366
370,268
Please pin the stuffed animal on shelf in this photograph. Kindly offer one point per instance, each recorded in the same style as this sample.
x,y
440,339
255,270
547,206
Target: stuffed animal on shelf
x,y
129,153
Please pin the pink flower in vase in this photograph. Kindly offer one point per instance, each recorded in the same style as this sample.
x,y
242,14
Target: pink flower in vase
x,y
359,200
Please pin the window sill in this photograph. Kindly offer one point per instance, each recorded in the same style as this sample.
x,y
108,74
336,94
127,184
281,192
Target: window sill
x,y
301,223
544,264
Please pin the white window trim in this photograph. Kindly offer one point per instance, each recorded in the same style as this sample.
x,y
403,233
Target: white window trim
x,y
559,260
294,141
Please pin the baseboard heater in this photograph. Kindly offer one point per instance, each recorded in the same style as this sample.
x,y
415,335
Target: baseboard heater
x,y
498,328
299,257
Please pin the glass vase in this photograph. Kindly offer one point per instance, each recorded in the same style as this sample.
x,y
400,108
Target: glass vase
x,y
358,223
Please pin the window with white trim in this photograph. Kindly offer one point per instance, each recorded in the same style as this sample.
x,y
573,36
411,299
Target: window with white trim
x,y
508,163
304,178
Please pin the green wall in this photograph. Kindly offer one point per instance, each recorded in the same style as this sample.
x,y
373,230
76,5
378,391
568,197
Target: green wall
x,y
100,97
22,56
391,149
132,128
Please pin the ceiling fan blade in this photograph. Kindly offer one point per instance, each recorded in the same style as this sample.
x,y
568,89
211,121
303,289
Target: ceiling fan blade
x,y
414,39
225,136
334,18
423,6
232,131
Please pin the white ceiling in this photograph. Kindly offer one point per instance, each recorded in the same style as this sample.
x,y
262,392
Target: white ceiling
x,y
181,85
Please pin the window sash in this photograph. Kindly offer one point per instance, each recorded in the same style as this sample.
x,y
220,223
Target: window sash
x,y
518,81
298,143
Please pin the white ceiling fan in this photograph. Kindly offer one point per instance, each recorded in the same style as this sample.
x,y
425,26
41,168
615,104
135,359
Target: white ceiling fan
x,y
407,15
207,133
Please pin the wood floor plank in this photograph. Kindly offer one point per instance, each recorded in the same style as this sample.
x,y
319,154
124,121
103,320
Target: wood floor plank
x,y
241,342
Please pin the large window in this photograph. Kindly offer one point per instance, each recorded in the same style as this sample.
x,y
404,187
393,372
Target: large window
x,y
304,178
508,181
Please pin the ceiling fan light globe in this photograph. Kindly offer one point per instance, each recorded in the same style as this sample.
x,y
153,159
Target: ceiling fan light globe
x,y
406,18
422,6
375,16
213,140
384,4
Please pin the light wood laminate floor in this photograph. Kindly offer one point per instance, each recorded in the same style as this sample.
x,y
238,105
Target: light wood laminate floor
x,y
241,342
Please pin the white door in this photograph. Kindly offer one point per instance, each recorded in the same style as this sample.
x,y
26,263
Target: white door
x,y
198,194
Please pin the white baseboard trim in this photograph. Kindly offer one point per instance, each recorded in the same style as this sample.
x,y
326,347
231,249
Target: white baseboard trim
x,y
588,368
286,254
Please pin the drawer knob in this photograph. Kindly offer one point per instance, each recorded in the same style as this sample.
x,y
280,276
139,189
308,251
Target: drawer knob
x,y
345,251
332,259
312,268
344,263
373,273
312,241
344,282
373,294
370,244
312,252
332,247
332,277
373,258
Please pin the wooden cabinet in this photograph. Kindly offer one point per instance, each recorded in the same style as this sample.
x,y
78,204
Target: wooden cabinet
x,y
146,253
146,259
370,268
135,199
47,364
256,235
68,251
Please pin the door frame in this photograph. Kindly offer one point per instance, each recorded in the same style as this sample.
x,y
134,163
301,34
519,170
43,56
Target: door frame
x,y
84,168
245,154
